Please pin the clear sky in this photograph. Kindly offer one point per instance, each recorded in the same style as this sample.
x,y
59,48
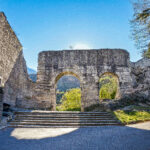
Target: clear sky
x,y
58,24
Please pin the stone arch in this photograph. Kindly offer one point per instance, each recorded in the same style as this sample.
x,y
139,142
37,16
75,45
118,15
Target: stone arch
x,y
66,73
88,65
118,86
55,80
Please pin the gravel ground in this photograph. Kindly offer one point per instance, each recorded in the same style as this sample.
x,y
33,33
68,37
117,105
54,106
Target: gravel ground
x,y
132,137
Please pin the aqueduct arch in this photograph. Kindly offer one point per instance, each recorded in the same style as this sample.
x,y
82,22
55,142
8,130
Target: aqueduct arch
x,y
88,66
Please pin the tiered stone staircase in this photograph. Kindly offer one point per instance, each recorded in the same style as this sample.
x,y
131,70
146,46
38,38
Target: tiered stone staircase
x,y
46,119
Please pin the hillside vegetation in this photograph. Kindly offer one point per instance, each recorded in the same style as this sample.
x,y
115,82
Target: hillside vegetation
x,y
67,82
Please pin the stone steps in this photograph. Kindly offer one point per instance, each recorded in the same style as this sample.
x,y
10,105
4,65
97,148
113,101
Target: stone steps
x,y
58,112
61,116
62,124
40,126
62,119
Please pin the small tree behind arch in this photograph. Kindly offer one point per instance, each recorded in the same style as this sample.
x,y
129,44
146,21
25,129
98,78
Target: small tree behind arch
x,y
108,85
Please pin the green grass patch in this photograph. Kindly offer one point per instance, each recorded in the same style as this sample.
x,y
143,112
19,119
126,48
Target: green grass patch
x,y
127,117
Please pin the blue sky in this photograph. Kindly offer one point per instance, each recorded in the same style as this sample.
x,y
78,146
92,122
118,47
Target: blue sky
x,y
57,24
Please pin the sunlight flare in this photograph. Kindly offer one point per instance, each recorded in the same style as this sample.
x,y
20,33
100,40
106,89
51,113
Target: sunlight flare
x,y
81,46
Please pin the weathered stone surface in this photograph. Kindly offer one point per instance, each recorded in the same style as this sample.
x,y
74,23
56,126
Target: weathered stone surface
x,y
140,93
87,66
140,72
13,72
18,84
10,48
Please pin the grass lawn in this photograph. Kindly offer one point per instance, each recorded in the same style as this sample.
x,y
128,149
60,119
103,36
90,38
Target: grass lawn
x,y
127,117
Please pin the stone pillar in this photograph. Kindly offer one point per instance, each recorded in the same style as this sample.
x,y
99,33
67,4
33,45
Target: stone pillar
x,y
90,95
1,102
53,98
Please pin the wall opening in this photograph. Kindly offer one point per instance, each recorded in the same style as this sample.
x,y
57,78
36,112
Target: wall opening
x,y
68,92
108,86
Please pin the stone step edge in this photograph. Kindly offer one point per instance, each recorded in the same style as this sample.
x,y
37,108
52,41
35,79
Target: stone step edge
x,y
62,115
22,116
66,123
65,119
35,126
57,112
42,114
94,121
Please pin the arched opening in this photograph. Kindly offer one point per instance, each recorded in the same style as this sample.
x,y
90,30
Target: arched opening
x,y
108,86
68,92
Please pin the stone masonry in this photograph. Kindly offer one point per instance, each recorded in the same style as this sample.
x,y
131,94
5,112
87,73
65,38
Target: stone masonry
x,y
10,49
140,72
87,66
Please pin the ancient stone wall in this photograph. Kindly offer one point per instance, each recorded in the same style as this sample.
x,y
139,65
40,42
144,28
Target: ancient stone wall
x,y
18,85
19,90
140,72
10,49
87,66
140,93
11,59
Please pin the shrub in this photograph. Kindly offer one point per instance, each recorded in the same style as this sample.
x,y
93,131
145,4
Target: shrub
x,y
71,101
108,87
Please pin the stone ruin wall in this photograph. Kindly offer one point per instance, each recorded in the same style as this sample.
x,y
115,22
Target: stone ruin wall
x,y
18,86
88,66
10,49
13,74
140,72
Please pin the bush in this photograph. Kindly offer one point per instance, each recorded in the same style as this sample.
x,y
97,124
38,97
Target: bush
x,y
127,117
71,101
108,87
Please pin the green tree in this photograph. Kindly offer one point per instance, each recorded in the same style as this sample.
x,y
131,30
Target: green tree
x,y
71,100
140,25
108,87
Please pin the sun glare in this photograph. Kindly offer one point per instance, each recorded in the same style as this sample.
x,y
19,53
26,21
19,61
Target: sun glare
x,y
81,46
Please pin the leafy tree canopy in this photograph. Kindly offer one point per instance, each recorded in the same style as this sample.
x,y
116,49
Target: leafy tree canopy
x,y
140,25
108,87
71,100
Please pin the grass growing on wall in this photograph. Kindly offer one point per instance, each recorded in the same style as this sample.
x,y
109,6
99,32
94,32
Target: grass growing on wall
x,y
108,87
71,101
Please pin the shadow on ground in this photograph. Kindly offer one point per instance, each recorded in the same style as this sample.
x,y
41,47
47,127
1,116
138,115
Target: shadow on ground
x,y
93,138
